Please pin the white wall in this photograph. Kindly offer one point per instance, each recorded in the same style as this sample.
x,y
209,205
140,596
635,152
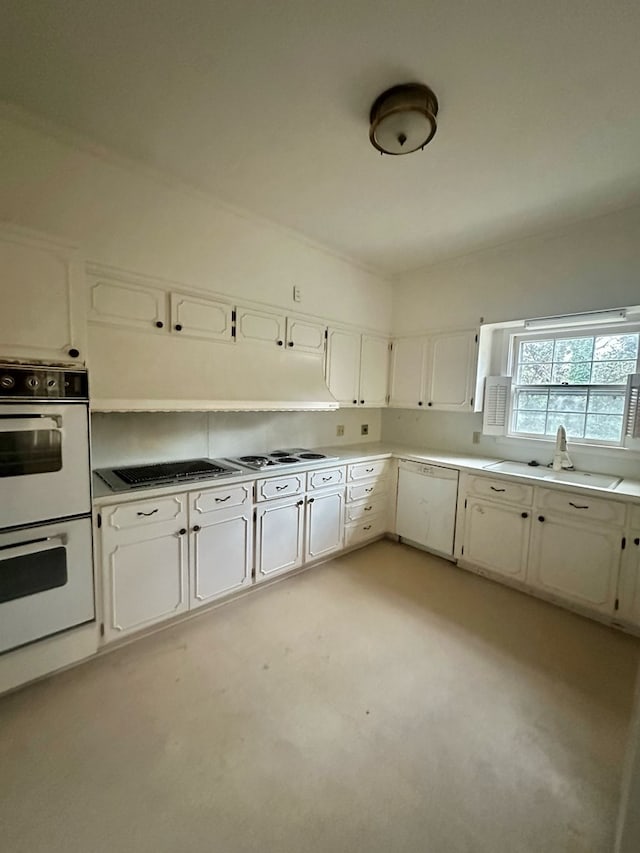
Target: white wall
x,y
126,216
122,439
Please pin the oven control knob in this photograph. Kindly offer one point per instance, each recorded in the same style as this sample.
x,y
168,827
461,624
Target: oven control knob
x,y
7,381
32,382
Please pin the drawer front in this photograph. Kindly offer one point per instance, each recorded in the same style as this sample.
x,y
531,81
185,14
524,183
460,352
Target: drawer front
x,y
214,500
634,516
581,506
280,487
328,477
367,470
365,509
140,514
363,491
361,531
500,490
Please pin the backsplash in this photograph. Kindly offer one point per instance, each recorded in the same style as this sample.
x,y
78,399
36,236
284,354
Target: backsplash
x,y
454,431
138,437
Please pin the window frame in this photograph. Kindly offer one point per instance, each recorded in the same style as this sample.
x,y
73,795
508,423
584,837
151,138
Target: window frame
x,y
555,333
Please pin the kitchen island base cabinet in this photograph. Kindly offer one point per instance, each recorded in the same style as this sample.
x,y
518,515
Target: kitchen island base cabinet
x,y
496,538
221,556
279,537
324,524
575,561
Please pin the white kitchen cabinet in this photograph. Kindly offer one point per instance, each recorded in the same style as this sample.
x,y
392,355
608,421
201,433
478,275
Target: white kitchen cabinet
x,y
116,300
434,371
43,313
357,368
324,523
629,585
306,336
496,537
279,537
144,564
199,317
576,560
259,327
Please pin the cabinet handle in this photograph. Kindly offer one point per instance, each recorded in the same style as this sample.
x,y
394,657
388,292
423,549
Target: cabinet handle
x,y
290,343
282,488
369,470
196,528
222,500
493,489
159,324
147,514
524,514
178,327
327,479
74,353
367,508
429,403
636,541
362,402
311,500
299,503
419,402
280,343
368,491
578,506
367,527
541,518
182,531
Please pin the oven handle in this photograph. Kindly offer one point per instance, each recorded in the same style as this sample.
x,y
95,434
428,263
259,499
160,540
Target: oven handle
x,y
27,423
22,549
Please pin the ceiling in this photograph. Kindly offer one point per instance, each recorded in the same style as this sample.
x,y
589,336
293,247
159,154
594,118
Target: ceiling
x,y
265,105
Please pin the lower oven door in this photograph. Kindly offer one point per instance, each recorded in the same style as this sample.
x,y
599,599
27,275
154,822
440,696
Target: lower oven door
x,y
46,581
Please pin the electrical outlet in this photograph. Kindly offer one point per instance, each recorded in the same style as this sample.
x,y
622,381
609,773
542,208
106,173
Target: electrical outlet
x,y
364,429
297,293
340,429
476,437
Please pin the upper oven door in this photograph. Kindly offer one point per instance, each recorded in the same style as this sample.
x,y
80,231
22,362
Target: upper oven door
x,y
44,462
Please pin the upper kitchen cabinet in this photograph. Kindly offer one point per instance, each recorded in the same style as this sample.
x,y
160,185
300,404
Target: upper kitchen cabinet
x,y
43,310
434,371
357,368
260,327
306,336
200,317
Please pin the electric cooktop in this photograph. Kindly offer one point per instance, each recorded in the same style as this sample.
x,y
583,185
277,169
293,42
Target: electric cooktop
x,y
164,473
289,456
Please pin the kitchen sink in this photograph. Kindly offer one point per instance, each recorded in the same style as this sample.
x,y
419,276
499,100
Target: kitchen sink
x,y
576,478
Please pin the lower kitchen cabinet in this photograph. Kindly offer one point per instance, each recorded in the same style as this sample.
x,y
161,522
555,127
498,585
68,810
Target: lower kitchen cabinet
x,y
324,524
279,537
144,571
221,552
578,561
629,587
497,537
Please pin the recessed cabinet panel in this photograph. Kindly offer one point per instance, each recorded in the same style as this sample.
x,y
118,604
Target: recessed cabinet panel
x,y
343,366
450,371
279,537
122,303
325,524
259,327
407,372
221,561
374,371
362,491
324,478
497,537
305,336
199,317
629,587
216,500
365,530
279,487
500,490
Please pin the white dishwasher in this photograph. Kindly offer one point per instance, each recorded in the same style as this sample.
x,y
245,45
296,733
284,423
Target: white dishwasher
x,y
426,508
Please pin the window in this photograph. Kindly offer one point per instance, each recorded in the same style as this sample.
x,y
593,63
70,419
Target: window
x,y
572,377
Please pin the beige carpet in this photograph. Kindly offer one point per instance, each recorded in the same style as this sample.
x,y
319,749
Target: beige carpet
x,y
384,702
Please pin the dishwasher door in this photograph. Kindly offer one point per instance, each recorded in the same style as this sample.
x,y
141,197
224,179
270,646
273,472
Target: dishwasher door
x,y
426,510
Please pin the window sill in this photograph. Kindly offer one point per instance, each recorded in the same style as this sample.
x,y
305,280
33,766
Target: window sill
x,y
546,446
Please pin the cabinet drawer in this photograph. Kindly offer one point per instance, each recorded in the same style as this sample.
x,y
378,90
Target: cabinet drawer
x,y
328,477
279,487
361,531
144,513
581,506
634,517
500,490
362,491
366,509
214,500
367,470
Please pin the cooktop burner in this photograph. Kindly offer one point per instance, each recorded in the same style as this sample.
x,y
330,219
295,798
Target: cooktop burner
x,y
286,456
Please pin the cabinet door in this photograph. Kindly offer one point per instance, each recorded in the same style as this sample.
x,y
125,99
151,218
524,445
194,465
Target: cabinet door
x,y
144,574
407,373
221,553
259,327
374,371
116,301
306,336
578,562
629,587
325,524
497,537
43,309
199,317
343,366
279,537
450,370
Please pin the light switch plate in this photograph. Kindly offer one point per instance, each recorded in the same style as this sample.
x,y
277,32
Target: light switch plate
x,y
364,429
340,429
297,293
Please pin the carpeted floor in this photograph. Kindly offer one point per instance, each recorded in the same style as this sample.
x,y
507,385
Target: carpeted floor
x,y
385,702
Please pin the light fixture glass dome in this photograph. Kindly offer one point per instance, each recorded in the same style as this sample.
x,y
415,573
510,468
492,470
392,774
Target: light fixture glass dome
x,y
403,119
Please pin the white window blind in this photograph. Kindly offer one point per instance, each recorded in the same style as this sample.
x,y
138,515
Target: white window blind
x,y
496,405
632,408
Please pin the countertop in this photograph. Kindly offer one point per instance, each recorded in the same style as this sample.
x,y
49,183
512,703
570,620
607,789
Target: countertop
x,y
103,495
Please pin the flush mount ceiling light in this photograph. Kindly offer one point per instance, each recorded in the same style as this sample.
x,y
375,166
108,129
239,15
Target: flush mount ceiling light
x,y
403,119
